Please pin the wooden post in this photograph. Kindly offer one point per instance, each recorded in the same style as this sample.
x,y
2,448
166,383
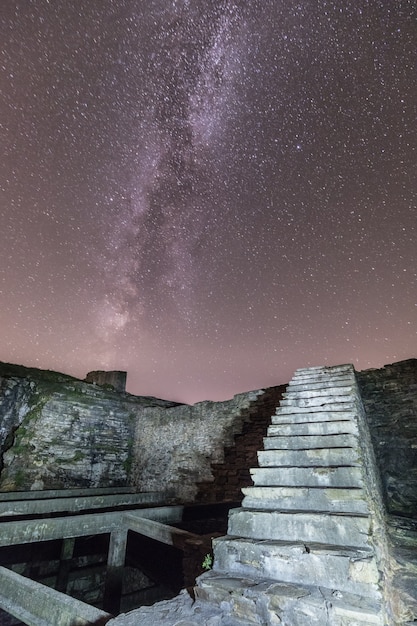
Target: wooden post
x,y
114,575
67,552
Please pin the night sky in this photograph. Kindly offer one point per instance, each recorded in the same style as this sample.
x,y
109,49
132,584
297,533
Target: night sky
x,y
208,194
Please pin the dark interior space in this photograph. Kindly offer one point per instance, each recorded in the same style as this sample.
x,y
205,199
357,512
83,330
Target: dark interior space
x,y
153,570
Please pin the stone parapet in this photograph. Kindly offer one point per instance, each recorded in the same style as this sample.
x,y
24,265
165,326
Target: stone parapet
x,y
389,396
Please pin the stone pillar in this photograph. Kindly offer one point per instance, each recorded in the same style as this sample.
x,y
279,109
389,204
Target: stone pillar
x,y
114,575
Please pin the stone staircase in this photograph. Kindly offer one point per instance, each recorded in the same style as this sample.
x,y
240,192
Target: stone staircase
x,y
232,474
306,546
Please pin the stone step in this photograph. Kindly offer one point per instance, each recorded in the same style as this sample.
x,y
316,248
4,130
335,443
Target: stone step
x,y
346,477
327,392
295,385
334,529
343,568
318,499
321,457
327,381
342,407
327,369
342,427
255,601
342,401
322,375
316,415
309,442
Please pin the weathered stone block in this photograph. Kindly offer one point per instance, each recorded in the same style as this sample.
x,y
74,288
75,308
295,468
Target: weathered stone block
x,y
327,406
296,384
324,370
306,442
340,530
306,499
290,604
315,415
328,392
325,401
333,567
322,457
313,428
308,477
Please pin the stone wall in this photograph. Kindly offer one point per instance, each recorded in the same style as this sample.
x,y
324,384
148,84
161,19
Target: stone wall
x,y
62,444
15,399
177,447
60,432
57,431
389,396
233,473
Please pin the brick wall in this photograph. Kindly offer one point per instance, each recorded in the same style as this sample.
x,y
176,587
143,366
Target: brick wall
x,y
233,473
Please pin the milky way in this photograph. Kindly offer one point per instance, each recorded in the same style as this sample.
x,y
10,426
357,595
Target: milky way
x,y
208,194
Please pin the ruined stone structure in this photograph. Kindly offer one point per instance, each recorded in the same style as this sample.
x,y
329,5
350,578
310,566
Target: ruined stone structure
x,y
327,530
313,542
312,523
57,432
115,379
